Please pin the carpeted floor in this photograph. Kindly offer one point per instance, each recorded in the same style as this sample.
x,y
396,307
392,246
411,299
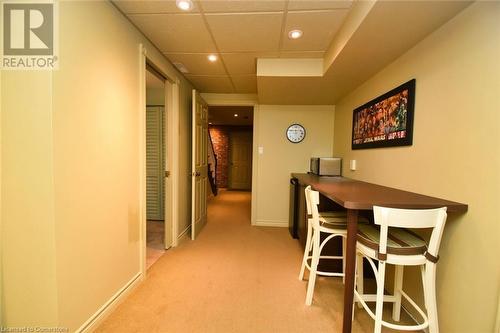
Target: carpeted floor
x,y
155,232
233,278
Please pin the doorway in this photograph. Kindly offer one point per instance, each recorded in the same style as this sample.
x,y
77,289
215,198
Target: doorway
x,y
231,141
155,166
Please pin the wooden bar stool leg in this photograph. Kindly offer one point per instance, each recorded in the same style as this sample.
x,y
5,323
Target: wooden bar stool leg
x,y
398,286
430,296
380,297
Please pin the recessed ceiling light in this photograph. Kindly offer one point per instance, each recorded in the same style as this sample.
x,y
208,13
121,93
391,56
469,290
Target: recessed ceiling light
x,y
295,34
212,57
236,115
184,4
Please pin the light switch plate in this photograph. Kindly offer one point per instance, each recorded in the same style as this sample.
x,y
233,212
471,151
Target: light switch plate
x,y
352,165
261,150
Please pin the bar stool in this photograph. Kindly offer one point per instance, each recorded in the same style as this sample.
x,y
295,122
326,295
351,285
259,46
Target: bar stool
x,y
331,223
401,247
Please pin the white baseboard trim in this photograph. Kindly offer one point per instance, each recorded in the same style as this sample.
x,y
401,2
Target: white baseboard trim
x,y
271,223
97,318
185,234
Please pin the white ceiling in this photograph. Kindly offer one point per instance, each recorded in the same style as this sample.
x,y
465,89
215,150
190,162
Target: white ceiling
x,y
240,31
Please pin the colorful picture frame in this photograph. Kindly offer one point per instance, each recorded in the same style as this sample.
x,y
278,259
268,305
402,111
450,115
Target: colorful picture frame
x,y
386,121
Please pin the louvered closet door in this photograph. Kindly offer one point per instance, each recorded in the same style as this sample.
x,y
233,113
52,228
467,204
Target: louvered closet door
x,y
154,163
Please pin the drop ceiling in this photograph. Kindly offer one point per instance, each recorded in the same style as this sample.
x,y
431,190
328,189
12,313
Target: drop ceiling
x,y
242,31
239,32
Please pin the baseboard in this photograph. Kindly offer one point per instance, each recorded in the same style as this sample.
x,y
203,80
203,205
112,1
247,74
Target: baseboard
x,y
97,318
184,235
271,223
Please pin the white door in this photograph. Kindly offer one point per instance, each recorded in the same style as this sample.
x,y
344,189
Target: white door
x,y
155,163
199,166
240,157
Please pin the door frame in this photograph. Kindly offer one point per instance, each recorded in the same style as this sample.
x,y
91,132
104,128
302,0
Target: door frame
x,y
243,100
171,114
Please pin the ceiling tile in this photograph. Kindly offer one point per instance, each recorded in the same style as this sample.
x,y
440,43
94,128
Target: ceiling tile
x,y
197,64
245,84
246,32
211,84
175,33
242,6
318,4
302,54
150,7
244,63
319,29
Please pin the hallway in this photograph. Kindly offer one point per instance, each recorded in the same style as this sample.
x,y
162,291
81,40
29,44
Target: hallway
x,y
233,278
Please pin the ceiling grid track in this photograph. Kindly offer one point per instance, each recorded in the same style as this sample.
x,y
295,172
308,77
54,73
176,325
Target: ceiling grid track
x,y
215,43
283,26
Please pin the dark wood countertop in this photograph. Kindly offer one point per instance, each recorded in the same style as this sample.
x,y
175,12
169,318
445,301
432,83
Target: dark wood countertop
x,y
355,194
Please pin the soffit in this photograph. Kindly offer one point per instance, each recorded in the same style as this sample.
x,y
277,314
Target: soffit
x,y
374,45
238,31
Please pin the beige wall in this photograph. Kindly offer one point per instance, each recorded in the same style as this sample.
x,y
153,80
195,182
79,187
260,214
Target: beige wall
x,y
29,291
281,157
455,155
70,170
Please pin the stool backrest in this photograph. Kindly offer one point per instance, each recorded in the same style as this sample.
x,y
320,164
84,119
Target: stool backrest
x,y
312,202
411,218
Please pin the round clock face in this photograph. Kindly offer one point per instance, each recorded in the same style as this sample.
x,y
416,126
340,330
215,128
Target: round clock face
x,y
295,133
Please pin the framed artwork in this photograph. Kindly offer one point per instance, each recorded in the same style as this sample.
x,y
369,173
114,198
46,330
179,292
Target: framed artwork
x,y
386,121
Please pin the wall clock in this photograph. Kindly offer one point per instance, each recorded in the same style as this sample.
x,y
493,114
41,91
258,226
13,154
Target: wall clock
x,y
295,133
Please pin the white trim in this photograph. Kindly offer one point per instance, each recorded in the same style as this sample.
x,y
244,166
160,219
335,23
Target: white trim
x,y
271,223
104,311
2,310
184,235
167,200
172,152
142,158
173,133
255,158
